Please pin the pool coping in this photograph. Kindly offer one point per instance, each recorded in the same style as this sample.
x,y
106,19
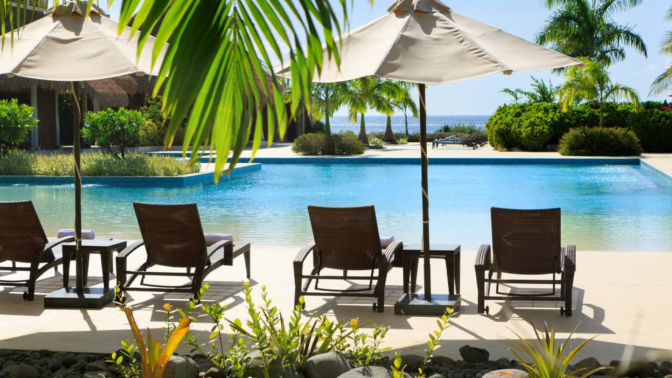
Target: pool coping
x,y
201,178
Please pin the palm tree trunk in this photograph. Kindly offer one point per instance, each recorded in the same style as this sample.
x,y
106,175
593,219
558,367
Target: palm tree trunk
x,y
406,122
327,126
389,135
601,115
362,130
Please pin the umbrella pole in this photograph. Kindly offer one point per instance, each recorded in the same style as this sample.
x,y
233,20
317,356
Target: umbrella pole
x,y
424,161
77,116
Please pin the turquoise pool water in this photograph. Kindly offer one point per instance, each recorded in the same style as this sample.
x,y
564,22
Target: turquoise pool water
x,y
605,207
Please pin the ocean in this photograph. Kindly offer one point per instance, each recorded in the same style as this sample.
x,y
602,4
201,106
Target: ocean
x,y
376,123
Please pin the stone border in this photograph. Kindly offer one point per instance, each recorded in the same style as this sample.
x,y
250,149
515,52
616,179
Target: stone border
x,y
202,178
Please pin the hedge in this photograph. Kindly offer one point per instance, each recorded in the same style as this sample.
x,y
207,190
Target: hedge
x,y
335,144
532,127
600,141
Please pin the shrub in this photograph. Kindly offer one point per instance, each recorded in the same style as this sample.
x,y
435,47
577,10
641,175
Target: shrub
x,y
16,121
319,127
321,144
376,143
600,141
22,163
151,134
654,129
402,140
109,128
347,143
464,128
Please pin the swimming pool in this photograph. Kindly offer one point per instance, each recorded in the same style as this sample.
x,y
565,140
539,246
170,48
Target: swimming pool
x,y
605,207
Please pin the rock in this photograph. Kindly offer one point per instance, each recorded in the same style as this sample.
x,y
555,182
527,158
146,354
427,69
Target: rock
x,y
53,364
444,361
214,373
62,373
180,367
44,353
96,366
99,374
203,364
474,355
370,371
277,369
507,373
22,371
668,376
666,364
503,364
412,362
8,364
327,365
79,366
68,360
586,365
73,375
436,376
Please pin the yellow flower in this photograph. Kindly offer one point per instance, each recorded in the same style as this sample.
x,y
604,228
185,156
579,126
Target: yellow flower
x,y
168,307
353,322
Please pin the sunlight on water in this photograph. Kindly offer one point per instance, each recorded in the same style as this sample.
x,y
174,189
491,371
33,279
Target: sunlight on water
x,y
605,207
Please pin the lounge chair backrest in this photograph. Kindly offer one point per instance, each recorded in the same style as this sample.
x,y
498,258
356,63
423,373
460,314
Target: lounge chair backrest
x,y
173,234
346,237
21,233
526,241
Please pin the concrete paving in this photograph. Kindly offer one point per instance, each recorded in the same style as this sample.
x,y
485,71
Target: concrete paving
x,y
622,298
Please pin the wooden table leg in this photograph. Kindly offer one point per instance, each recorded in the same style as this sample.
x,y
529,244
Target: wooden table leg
x,y
407,273
66,268
105,262
458,265
414,272
450,272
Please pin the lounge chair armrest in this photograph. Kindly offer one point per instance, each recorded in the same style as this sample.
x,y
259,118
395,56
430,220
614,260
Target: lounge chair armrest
x,y
220,244
130,249
305,251
569,259
54,243
393,252
483,258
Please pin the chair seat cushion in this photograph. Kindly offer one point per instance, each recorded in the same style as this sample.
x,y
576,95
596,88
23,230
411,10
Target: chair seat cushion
x,y
86,234
214,237
385,242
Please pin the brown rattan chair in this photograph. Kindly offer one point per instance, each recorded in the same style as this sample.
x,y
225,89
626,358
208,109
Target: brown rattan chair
x,y
526,242
347,239
173,237
22,240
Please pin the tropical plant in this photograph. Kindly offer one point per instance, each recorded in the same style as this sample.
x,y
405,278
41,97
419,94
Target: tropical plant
x,y
592,83
600,141
16,122
376,143
586,28
370,93
541,92
663,83
406,103
327,98
464,128
548,359
233,43
110,128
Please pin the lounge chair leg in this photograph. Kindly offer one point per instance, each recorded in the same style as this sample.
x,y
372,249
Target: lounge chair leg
x,y
298,271
380,286
13,266
480,285
248,263
569,289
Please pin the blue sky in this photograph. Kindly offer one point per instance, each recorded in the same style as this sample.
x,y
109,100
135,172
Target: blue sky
x,y
524,18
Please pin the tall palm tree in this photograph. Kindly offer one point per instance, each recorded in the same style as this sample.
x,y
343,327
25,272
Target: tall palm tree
x,y
592,83
406,102
585,28
327,98
663,83
216,61
541,92
368,93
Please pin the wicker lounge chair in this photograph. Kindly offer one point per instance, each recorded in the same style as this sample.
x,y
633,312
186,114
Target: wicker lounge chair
x,y
346,239
22,240
526,242
173,237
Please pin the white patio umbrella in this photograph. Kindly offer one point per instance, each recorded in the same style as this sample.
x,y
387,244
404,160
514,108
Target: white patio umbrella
x,y
66,45
425,42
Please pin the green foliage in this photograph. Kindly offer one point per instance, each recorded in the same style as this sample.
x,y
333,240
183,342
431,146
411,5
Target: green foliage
x,y
126,362
600,141
541,92
151,134
663,82
327,98
654,129
586,28
462,128
401,140
549,359
16,122
110,128
376,143
322,144
153,131
359,348
526,126
22,163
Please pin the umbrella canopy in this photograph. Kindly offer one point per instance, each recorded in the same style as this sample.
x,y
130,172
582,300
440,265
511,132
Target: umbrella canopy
x,y
67,46
424,41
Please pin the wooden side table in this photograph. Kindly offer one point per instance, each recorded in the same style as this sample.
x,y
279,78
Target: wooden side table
x,y
104,247
448,252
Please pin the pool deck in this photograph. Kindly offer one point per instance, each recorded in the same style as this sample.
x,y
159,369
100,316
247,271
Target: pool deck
x,y
623,298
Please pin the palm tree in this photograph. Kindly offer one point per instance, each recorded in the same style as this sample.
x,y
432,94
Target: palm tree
x,y
407,103
592,83
585,28
541,92
369,93
663,83
215,64
327,98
